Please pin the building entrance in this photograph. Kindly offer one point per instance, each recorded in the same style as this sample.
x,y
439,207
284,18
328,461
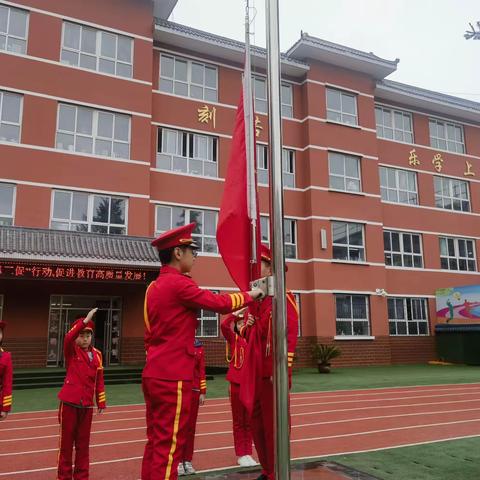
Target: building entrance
x,y
65,309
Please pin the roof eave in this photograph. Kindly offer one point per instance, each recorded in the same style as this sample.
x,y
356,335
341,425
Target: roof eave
x,y
376,68
230,53
436,106
163,8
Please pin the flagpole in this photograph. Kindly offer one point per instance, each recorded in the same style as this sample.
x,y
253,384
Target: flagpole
x,y
250,140
279,323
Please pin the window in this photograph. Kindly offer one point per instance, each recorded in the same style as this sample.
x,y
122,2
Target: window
x,y
206,220
408,316
188,78
10,116
84,212
451,194
85,130
289,233
399,186
403,249
457,254
394,124
7,203
105,52
13,29
259,86
207,323
348,243
186,152
352,315
341,107
288,166
344,172
446,136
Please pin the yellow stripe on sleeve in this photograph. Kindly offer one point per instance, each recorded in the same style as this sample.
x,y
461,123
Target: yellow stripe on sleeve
x,y
145,311
233,297
242,299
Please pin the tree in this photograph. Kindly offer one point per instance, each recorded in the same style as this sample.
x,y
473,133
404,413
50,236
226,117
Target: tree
x,y
473,33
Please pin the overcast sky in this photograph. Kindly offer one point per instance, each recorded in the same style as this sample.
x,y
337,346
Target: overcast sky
x,y
426,35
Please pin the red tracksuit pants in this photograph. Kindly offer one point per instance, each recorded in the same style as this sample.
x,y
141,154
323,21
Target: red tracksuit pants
x,y
75,425
191,427
168,405
242,432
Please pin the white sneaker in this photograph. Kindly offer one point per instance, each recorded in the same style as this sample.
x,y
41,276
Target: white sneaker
x,y
252,461
189,470
244,461
181,470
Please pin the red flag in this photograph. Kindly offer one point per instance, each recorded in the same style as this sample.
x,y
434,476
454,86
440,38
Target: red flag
x,y
234,230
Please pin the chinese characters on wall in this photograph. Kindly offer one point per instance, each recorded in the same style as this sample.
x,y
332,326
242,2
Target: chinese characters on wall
x,y
437,162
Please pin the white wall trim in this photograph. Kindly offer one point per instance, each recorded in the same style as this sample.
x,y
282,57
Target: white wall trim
x,y
60,64
76,20
75,101
428,172
353,337
188,129
196,100
436,209
437,270
181,174
73,188
186,205
428,232
338,87
68,152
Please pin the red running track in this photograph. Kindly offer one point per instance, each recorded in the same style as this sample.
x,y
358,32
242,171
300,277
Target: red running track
x,y
324,423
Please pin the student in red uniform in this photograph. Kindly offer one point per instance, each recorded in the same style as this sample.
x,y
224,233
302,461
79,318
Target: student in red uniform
x,y
199,392
235,348
170,311
6,377
83,383
262,417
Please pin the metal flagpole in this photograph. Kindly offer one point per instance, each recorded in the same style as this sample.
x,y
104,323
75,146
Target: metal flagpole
x,y
249,138
279,323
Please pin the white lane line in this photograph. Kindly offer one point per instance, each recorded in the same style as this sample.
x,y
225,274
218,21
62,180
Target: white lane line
x,y
383,430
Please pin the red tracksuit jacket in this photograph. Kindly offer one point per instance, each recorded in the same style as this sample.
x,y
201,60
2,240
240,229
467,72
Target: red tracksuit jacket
x,y
170,313
6,380
84,380
235,350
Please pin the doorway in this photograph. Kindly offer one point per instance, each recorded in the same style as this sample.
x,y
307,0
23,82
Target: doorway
x,y
65,309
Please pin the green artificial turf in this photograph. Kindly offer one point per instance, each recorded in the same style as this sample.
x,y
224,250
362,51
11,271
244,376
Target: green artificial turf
x,y
449,460
304,380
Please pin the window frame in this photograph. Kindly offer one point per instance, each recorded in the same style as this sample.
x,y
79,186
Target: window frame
x,y
98,50
440,198
186,217
402,253
265,234
456,257
408,308
283,105
352,319
288,156
186,140
4,218
380,127
347,245
10,123
95,137
90,223
202,317
436,139
330,111
16,37
346,178
189,83
385,189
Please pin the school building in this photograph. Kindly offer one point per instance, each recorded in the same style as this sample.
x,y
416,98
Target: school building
x,y
116,125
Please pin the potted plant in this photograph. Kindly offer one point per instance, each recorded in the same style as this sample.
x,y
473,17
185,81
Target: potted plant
x,y
323,353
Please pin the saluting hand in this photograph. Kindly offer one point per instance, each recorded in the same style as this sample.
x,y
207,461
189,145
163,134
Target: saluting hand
x,y
90,315
250,320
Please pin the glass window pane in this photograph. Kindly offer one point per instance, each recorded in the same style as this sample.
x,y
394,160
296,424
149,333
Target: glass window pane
x,y
105,124
89,40
122,127
84,120
181,70
101,207
69,57
3,19
84,144
6,199
197,73
108,45
124,49
349,104
61,205
106,66
18,23
166,66
79,206
117,211
211,77
71,35
11,107
333,100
